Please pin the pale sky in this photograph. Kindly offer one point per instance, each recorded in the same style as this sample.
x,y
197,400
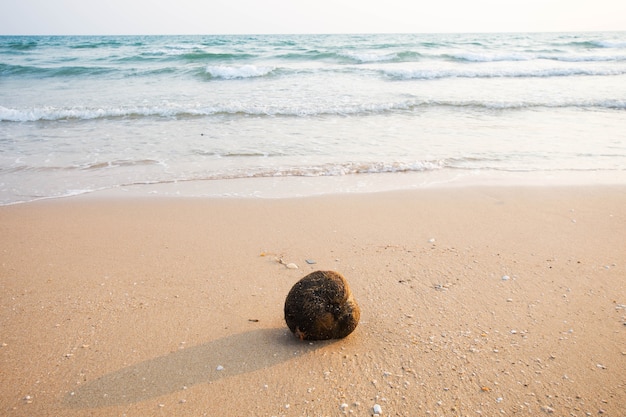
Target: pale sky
x,y
113,17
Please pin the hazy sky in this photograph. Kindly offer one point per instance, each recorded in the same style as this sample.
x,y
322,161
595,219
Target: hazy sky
x,y
292,16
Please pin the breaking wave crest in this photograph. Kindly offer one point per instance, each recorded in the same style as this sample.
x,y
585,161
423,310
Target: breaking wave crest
x,y
175,111
233,72
436,73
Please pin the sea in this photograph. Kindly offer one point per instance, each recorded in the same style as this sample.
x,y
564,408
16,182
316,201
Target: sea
x,y
297,115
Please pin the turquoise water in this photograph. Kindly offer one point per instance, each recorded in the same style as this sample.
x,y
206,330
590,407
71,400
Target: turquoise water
x,y
80,114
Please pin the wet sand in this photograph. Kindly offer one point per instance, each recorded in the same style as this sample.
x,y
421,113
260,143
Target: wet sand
x,y
474,301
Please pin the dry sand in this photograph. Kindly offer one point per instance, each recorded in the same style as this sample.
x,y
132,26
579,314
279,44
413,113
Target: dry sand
x,y
475,301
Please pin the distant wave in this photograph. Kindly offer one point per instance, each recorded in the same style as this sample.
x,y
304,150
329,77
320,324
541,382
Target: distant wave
x,y
362,57
60,71
530,56
412,55
211,71
610,44
480,72
584,58
487,56
244,57
310,55
20,45
203,56
177,111
94,44
380,63
187,54
590,44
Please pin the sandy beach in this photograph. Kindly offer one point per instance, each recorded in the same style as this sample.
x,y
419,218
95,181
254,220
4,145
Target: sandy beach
x,y
474,302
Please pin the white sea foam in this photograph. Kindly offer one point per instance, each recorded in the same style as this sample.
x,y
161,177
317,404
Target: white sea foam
x,y
527,56
288,109
81,113
585,58
233,72
408,73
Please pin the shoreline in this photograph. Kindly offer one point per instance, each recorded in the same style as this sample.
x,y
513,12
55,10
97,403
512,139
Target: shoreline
x,y
353,184
485,298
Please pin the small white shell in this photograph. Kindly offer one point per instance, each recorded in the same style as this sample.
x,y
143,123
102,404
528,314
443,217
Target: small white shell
x,y
378,409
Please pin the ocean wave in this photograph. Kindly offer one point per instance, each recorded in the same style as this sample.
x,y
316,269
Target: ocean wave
x,y
584,58
340,169
474,72
363,57
50,113
96,43
178,111
237,154
8,69
309,55
114,181
116,163
373,167
60,71
488,57
20,45
203,56
530,56
235,72
105,177
353,168
188,55
326,169
600,44
610,44
87,166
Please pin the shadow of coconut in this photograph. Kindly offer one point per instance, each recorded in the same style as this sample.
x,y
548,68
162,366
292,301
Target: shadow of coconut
x,y
237,354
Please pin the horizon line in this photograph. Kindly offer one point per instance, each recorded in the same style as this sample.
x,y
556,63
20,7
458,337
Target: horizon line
x,y
314,33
